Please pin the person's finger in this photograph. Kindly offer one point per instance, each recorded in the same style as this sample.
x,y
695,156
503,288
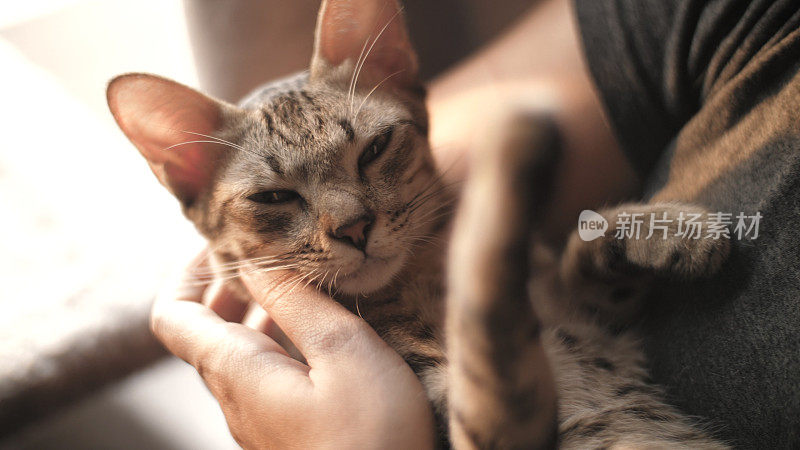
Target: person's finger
x,y
187,286
237,364
223,299
258,319
322,329
194,333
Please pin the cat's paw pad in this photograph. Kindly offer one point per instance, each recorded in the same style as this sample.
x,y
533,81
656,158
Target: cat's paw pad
x,y
682,256
610,257
700,257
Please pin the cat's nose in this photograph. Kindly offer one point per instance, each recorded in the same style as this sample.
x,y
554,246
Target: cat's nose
x,y
355,232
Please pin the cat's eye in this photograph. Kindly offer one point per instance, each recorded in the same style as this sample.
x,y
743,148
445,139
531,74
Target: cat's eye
x,y
274,197
375,148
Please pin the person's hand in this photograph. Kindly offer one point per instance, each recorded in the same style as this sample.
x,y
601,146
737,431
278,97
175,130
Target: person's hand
x,y
353,392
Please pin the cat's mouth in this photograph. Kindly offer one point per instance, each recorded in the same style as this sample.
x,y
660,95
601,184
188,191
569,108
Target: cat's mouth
x,y
370,274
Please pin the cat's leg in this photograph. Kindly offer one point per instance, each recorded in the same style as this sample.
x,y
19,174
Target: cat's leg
x,y
605,399
502,392
608,275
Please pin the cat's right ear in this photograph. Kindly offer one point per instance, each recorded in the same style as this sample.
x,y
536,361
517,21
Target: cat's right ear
x,y
369,33
165,120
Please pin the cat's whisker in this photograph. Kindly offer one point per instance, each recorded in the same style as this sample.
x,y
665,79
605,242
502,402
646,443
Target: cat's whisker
x,y
427,235
233,275
366,55
433,220
283,283
276,256
351,90
425,239
236,266
321,279
358,310
216,140
195,142
423,201
273,269
312,278
441,173
211,251
258,260
294,280
213,137
331,282
196,282
206,255
358,111
209,142
301,279
433,183
431,191
335,277
297,283
444,204
204,278
216,270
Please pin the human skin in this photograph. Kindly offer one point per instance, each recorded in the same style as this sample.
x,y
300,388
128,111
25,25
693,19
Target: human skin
x,y
536,65
353,389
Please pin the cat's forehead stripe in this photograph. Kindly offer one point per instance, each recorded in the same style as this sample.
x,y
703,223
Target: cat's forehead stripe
x,y
348,129
273,130
274,164
295,117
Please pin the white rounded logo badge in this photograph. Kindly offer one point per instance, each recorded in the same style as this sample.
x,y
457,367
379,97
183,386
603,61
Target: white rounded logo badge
x,y
591,225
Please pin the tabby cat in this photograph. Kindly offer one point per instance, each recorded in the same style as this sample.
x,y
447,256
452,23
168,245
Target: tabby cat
x,y
328,173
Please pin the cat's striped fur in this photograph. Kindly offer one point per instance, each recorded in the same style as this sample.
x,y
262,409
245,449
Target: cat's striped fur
x,y
533,351
530,334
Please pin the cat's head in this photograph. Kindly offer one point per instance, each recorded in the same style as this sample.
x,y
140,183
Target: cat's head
x,y
328,173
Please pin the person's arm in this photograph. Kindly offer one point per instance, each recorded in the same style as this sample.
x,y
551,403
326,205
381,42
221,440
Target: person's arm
x,y
538,64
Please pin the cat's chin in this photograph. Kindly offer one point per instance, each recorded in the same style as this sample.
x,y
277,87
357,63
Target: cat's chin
x,y
374,274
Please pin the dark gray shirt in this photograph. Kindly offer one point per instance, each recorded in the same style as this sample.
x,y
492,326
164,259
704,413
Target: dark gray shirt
x,y
704,83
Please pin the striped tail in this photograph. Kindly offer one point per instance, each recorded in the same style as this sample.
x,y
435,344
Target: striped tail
x,y
502,393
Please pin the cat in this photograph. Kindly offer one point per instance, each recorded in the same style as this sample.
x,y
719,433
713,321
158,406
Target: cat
x,y
329,173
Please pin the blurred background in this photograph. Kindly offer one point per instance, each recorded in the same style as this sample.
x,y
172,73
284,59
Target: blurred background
x,y
87,235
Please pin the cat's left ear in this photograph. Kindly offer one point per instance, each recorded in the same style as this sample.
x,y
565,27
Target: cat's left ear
x,y
372,30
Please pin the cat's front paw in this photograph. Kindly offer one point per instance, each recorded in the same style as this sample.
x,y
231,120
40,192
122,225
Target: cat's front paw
x,y
687,257
648,239
674,249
